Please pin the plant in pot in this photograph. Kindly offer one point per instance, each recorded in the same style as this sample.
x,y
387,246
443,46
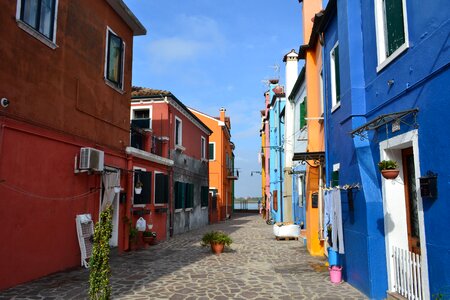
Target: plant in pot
x,y
217,240
389,169
149,237
138,188
133,240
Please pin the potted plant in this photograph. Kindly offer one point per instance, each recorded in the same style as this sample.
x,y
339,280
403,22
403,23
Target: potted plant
x,y
138,188
133,240
149,237
217,239
389,169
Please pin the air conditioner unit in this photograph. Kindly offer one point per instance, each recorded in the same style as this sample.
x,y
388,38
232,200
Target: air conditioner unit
x,y
91,159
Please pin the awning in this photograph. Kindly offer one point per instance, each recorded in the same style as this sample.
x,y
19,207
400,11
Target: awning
x,y
383,120
318,158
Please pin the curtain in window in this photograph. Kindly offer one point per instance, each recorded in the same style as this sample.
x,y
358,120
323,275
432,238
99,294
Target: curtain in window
x,y
114,58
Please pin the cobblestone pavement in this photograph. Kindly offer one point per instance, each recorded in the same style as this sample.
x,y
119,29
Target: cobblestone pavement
x,y
255,267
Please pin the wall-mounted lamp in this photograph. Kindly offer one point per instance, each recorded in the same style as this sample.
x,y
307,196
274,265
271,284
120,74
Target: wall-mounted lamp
x,y
390,82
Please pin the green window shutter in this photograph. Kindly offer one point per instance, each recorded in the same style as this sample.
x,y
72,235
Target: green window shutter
x,y
395,30
189,196
145,196
335,178
180,192
337,75
211,151
303,113
161,188
204,196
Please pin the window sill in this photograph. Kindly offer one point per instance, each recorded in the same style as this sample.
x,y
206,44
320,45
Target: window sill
x,y
178,210
392,57
36,34
335,107
139,205
204,207
188,209
180,148
114,87
204,160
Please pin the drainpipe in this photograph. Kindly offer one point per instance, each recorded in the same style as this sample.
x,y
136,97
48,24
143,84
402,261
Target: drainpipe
x,y
128,203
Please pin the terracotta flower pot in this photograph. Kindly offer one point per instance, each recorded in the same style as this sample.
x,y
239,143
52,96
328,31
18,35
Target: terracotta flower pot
x,y
390,173
217,248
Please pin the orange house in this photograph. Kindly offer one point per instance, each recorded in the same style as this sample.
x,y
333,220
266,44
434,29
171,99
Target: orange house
x,y
312,53
221,165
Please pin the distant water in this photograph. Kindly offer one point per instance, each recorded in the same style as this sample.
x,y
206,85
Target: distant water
x,y
246,205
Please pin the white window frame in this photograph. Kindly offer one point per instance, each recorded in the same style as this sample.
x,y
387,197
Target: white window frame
x,y
203,148
51,43
134,183
214,152
105,75
334,104
179,141
150,113
380,28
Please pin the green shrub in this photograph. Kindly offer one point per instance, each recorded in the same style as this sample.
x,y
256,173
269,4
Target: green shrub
x,y
99,268
387,165
219,237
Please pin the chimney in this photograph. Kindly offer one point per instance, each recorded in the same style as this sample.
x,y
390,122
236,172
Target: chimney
x,y
291,60
222,114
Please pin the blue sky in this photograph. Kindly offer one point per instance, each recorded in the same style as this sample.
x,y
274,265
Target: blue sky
x,y
214,53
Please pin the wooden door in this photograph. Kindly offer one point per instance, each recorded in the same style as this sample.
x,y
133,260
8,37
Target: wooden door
x,y
412,216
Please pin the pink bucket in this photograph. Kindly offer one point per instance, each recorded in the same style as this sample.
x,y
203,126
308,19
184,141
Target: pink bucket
x,y
335,274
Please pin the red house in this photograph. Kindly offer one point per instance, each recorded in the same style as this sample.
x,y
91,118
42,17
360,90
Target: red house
x,y
65,84
178,156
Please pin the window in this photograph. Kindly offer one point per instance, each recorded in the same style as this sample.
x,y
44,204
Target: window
x,y
114,60
145,178
391,29
335,175
39,15
161,188
203,149
142,117
180,194
178,132
212,151
335,78
189,196
204,196
303,113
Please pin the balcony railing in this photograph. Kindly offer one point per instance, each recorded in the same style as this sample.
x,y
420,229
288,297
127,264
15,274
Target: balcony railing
x,y
233,174
144,140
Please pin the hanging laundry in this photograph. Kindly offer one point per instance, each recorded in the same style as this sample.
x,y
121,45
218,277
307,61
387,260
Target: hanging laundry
x,y
328,212
337,233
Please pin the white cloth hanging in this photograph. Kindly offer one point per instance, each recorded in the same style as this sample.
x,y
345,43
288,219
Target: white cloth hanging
x,y
337,233
110,180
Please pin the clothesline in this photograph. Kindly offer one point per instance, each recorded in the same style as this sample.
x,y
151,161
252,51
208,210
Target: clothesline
x,y
344,187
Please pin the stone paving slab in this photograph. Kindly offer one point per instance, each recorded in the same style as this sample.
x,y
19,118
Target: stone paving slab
x,y
256,267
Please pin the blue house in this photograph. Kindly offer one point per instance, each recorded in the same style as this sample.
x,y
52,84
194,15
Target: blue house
x,y
298,97
387,97
277,103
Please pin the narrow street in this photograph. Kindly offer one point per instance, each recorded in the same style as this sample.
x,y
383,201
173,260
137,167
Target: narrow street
x,y
256,267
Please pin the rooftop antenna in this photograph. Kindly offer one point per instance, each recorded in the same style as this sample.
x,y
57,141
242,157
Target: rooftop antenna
x,y
276,70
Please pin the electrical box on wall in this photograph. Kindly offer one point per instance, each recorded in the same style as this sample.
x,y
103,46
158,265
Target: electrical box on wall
x,y
428,186
315,200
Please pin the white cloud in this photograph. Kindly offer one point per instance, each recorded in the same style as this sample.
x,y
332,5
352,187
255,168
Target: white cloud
x,y
194,36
